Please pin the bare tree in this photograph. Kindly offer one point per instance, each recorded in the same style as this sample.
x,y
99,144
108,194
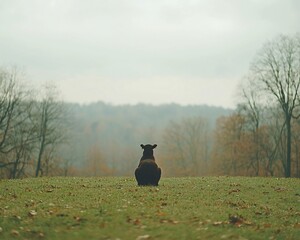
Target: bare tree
x,y
276,73
51,125
22,140
9,100
253,112
231,142
187,144
16,137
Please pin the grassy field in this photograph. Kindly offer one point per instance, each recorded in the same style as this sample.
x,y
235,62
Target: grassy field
x,y
180,208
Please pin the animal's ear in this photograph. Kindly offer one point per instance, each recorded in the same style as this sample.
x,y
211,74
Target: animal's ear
x,y
142,145
154,146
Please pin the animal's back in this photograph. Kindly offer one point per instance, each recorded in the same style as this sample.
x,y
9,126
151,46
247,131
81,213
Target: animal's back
x,y
148,172
148,165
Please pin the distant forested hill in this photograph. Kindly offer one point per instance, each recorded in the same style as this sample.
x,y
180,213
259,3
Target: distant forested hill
x,y
114,133
143,115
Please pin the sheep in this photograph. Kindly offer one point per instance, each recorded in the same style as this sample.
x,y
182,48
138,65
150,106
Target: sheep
x,y
148,173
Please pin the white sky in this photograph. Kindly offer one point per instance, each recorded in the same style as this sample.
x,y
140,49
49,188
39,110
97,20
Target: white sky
x,y
151,51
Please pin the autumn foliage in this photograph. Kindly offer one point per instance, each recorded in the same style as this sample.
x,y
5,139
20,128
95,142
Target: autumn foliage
x,y
241,150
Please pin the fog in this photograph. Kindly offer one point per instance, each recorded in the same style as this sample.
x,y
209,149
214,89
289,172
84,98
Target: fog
x,y
187,52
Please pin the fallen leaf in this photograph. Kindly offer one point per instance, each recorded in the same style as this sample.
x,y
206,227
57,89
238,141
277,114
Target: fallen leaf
x,y
143,237
297,225
17,217
77,218
129,219
234,191
137,221
232,236
218,223
14,233
267,225
30,203
50,212
159,213
134,221
280,189
32,213
168,221
236,220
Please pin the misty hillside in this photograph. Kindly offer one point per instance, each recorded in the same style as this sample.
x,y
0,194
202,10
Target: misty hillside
x,y
117,130
142,115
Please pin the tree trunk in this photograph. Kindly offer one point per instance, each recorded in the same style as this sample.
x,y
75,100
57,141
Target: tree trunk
x,y
38,167
288,147
14,170
42,137
297,160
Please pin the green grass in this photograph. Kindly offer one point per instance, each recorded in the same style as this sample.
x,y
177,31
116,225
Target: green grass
x,y
180,208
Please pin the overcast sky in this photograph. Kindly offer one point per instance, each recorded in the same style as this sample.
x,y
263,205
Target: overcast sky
x,y
151,51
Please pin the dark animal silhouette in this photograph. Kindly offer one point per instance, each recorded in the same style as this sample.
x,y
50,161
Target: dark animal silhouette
x,y
148,173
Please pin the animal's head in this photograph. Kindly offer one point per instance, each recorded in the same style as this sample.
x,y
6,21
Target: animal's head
x,y
148,149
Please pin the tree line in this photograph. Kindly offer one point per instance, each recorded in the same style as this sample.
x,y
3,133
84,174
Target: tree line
x,y
42,136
